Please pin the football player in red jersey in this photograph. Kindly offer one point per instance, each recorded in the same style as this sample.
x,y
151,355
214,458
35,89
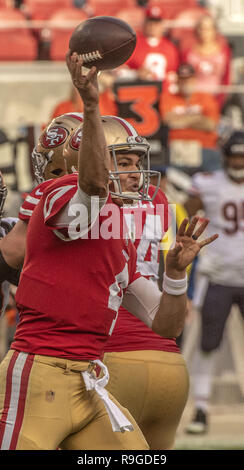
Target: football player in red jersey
x,y
44,401
152,363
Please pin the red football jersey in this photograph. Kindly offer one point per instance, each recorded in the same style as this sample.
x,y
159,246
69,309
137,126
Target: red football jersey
x,y
31,201
131,334
70,292
158,57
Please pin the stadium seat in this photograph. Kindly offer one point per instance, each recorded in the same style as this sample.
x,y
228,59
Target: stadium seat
x,y
171,8
184,35
62,24
134,16
6,3
109,7
16,40
43,9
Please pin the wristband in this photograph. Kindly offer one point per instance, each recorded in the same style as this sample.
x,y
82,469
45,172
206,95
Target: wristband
x,y
175,286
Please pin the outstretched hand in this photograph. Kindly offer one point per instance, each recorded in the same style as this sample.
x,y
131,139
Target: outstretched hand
x,y
187,247
86,84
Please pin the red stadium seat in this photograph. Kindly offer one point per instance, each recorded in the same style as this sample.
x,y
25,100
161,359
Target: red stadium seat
x,y
43,9
16,39
6,3
171,8
109,7
134,16
63,24
184,35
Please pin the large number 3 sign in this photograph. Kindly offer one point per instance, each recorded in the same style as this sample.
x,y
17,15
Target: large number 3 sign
x,y
138,103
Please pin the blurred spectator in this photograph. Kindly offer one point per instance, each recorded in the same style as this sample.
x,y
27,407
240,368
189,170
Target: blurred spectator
x,y
210,55
220,269
155,57
74,104
79,3
192,118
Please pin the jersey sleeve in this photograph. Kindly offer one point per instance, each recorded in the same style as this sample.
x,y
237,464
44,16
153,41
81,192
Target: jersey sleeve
x,y
31,201
204,186
55,198
142,299
201,183
67,208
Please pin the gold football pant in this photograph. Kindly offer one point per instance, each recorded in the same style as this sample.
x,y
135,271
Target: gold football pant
x,y
154,386
44,405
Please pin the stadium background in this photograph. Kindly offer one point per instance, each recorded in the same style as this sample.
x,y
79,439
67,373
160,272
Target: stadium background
x,y
34,80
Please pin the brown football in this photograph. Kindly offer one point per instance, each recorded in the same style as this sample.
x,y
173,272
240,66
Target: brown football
x,y
103,41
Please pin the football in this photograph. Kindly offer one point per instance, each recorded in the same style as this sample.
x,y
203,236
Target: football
x,y
104,41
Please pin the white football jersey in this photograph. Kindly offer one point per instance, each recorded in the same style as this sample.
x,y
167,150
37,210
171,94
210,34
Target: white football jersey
x,y
223,201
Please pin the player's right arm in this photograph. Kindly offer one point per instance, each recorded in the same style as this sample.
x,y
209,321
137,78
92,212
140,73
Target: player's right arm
x,y
93,156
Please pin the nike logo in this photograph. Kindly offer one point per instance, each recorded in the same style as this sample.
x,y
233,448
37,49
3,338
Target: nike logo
x,y
38,192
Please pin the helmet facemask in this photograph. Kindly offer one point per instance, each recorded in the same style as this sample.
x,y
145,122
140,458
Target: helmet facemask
x,y
144,171
122,138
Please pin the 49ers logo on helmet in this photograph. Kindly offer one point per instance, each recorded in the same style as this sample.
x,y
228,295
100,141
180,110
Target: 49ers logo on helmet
x,y
54,137
76,140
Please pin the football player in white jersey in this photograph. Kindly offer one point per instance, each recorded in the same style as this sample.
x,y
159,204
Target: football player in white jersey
x,y
221,196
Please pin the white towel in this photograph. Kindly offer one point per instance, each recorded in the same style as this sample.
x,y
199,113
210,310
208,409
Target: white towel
x,y
118,420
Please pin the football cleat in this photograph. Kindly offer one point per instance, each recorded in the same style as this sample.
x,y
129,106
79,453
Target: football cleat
x,y
199,423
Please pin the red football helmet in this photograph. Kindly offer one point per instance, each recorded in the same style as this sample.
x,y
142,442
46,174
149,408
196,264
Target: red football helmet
x,y
47,156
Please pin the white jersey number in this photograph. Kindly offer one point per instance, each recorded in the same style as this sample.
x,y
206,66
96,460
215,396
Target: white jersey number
x,y
147,250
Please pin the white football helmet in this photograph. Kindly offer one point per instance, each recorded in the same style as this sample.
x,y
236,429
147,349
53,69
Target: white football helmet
x,y
120,137
47,156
